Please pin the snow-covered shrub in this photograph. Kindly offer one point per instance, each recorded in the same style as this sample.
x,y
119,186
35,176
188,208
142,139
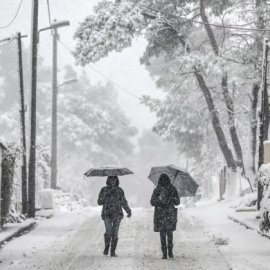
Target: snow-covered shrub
x,y
220,240
42,175
9,163
14,216
247,200
46,199
68,202
264,179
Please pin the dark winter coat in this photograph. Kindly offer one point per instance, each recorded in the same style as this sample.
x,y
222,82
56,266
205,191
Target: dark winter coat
x,y
164,199
113,200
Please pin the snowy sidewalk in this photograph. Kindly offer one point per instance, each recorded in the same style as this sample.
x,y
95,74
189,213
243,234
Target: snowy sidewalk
x,y
23,249
248,220
12,230
246,249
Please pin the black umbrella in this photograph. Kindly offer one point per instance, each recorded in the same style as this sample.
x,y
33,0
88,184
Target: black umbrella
x,y
184,183
108,171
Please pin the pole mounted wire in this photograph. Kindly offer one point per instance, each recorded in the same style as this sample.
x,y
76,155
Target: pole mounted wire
x,y
233,27
49,14
14,17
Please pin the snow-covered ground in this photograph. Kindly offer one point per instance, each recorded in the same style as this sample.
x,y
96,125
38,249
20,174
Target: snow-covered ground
x,y
74,240
246,249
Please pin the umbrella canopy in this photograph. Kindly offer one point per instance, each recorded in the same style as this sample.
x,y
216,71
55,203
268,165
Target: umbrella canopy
x,y
107,171
184,183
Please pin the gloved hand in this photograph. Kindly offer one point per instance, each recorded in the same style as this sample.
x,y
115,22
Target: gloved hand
x,y
129,215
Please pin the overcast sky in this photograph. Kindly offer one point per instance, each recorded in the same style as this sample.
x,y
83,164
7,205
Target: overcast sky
x,y
123,68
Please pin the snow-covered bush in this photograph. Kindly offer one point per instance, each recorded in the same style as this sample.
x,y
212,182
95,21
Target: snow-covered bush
x,y
46,199
264,179
68,202
219,240
247,200
42,175
9,163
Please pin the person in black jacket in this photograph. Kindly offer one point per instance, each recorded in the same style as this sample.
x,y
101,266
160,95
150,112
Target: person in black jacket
x,y
112,198
164,199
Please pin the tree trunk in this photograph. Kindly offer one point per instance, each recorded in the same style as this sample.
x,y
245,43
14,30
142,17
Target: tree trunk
x,y
226,94
231,115
253,125
227,153
260,24
208,29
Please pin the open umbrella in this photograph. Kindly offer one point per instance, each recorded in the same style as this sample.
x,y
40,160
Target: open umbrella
x,y
107,171
184,183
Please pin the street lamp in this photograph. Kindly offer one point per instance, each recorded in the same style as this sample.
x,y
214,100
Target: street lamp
x,y
54,26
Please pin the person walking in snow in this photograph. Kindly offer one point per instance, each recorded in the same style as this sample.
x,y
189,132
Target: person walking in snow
x,y
164,199
112,198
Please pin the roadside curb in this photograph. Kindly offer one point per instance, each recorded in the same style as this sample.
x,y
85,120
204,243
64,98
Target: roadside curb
x,y
16,232
248,226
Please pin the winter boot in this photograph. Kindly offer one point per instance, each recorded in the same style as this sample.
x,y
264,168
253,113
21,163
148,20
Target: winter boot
x,y
107,240
164,252
170,253
113,246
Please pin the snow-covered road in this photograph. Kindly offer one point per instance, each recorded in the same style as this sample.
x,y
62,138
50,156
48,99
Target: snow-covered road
x,y
78,245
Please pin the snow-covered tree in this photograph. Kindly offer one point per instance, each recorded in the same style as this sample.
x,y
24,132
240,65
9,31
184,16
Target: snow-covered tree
x,y
216,61
93,130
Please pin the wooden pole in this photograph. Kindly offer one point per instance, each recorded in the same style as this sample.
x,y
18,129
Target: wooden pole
x,y
32,151
23,133
54,113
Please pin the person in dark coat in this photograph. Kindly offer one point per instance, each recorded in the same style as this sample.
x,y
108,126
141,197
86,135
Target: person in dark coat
x,y
112,198
164,199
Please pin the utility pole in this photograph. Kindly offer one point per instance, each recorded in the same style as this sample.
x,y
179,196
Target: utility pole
x,y
54,26
264,115
23,136
54,113
32,151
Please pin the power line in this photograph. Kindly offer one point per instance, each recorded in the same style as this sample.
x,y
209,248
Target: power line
x,y
49,15
105,76
200,22
7,41
115,83
14,18
49,11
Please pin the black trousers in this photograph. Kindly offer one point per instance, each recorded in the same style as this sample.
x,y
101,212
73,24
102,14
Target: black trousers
x,y
112,227
166,234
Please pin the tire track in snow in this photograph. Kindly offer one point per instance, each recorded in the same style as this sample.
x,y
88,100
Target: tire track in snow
x,y
96,235
89,234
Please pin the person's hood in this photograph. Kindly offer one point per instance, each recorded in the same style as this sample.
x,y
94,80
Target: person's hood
x,y
110,179
164,180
